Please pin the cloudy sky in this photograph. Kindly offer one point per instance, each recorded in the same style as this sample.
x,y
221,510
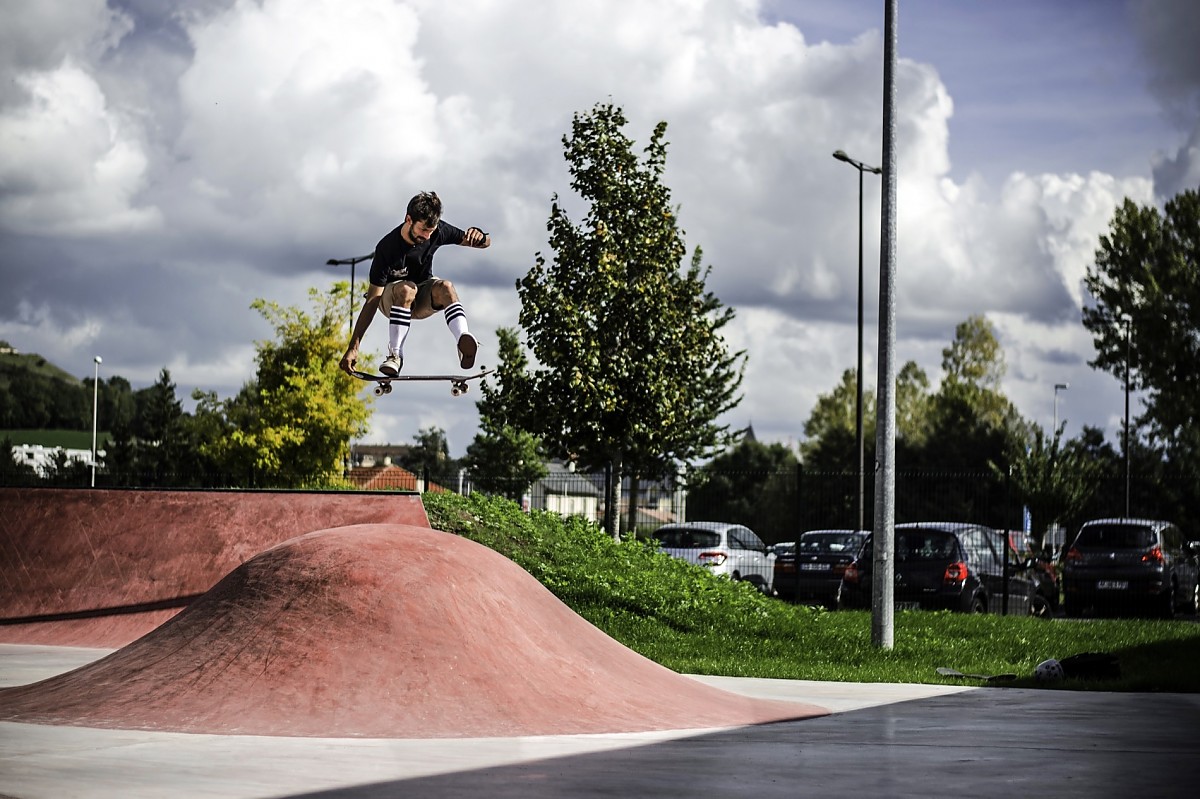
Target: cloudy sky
x,y
164,164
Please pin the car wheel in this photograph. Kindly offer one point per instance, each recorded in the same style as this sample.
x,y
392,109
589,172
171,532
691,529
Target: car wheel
x,y
978,604
1039,607
1168,602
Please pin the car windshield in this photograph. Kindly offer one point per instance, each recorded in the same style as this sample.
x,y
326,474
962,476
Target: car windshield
x,y
677,538
924,545
1115,536
828,543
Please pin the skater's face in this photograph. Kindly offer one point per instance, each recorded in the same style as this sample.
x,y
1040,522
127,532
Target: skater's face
x,y
419,232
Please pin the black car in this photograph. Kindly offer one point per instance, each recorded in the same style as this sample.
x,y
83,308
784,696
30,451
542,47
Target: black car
x,y
811,569
944,566
1130,564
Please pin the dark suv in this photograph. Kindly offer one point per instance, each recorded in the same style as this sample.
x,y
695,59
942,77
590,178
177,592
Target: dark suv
x,y
944,566
1119,564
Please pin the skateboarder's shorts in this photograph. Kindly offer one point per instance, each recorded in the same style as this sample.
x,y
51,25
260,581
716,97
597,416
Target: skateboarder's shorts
x,y
422,306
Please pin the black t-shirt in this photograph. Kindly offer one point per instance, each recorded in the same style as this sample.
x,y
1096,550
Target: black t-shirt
x,y
396,259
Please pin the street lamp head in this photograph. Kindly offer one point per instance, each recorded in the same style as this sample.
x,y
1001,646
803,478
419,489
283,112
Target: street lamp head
x,y
1063,386
98,359
841,156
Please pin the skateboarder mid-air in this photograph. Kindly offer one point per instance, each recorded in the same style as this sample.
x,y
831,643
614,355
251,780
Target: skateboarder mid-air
x,y
403,286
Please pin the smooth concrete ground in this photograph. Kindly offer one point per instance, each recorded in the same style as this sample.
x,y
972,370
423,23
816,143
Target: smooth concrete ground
x,y
883,740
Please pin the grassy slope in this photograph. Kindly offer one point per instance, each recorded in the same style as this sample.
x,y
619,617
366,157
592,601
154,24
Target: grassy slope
x,y
11,363
681,616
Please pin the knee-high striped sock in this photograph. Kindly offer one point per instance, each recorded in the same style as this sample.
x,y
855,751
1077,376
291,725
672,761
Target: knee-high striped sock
x,y
399,320
456,320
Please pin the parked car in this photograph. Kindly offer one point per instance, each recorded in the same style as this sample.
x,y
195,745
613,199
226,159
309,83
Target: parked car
x,y
1130,564
781,548
811,569
943,566
1041,570
733,550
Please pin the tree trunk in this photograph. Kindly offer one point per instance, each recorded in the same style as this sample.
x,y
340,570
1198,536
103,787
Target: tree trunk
x,y
612,513
631,525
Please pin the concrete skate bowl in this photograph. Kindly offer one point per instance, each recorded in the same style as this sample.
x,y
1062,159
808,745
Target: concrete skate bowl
x,y
388,631
100,568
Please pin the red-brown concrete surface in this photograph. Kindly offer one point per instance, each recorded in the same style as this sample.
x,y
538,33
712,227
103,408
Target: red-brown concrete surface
x,y
101,568
382,630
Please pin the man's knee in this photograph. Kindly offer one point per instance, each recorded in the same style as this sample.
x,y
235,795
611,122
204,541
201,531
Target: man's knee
x,y
404,293
443,294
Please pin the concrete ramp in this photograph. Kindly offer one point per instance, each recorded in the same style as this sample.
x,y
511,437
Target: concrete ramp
x,y
101,568
382,630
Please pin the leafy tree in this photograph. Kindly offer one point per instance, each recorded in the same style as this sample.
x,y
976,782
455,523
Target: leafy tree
x,y
633,371
504,458
751,483
430,457
1052,481
830,428
1146,284
292,425
13,470
506,461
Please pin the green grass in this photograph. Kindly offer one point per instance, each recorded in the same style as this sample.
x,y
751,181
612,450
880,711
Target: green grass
x,y
690,621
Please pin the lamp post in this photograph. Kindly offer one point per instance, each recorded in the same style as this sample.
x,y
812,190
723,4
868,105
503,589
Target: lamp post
x,y
1128,352
1058,387
352,262
95,411
858,401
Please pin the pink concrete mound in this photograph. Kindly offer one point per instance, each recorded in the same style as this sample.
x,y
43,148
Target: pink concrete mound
x,y
382,630
103,567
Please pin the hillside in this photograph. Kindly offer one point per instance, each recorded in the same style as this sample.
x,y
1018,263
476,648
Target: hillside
x,y
14,363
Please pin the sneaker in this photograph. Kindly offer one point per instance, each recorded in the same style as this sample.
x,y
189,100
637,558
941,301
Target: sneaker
x,y
392,366
467,347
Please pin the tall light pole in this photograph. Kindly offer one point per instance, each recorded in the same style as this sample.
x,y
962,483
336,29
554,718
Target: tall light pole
x,y
352,262
858,403
1128,353
1058,387
95,411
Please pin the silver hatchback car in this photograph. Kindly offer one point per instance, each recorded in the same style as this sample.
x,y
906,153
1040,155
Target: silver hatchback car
x,y
733,550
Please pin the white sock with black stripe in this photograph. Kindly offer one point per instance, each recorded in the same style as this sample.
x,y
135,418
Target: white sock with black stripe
x,y
399,321
456,320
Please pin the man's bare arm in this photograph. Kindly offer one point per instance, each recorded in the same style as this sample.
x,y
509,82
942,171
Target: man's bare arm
x,y
365,317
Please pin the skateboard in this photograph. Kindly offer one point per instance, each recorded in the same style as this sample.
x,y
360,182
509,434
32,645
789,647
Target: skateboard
x,y
458,383
949,672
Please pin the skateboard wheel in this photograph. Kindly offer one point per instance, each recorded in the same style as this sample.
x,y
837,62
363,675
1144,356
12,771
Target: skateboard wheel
x,y
379,391
387,388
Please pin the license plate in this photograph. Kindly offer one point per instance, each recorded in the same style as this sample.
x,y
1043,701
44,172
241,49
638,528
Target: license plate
x,y
1112,585
814,567
908,606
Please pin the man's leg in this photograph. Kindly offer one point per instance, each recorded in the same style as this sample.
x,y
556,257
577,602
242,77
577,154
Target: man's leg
x,y
440,295
397,304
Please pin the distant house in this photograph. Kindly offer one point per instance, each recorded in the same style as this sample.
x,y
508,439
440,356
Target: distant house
x,y
566,493
42,458
387,477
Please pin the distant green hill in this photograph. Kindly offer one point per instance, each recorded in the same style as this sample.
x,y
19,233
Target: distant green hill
x,y
12,363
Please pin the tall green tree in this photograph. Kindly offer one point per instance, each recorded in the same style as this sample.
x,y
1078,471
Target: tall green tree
x,y
751,483
429,457
1054,482
830,429
1146,317
505,458
632,369
292,425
